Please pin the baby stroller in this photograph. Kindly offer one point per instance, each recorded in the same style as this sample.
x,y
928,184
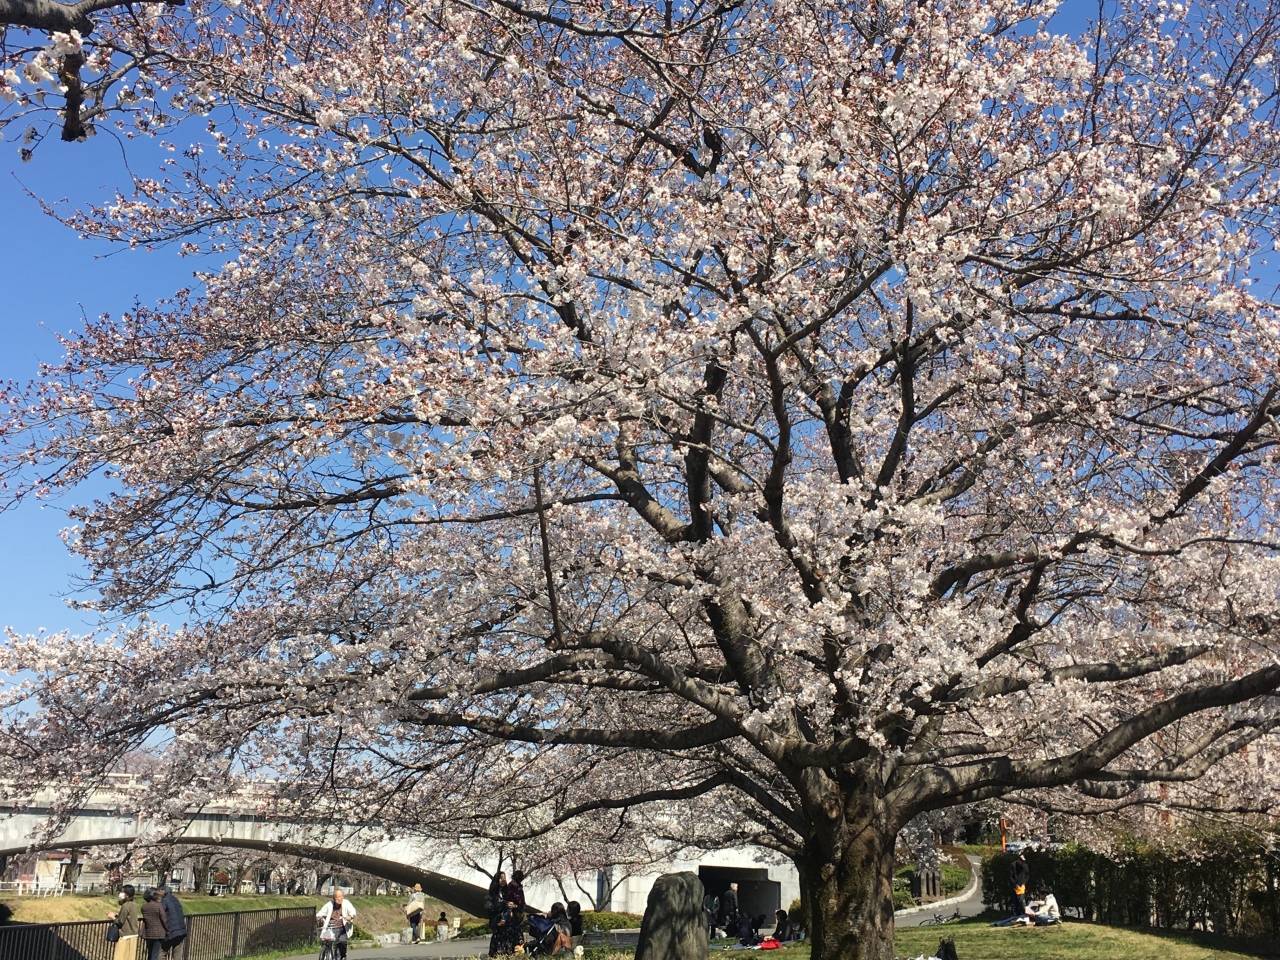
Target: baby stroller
x,y
546,934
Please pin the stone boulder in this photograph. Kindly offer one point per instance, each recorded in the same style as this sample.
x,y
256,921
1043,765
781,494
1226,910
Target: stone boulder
x,y
675,925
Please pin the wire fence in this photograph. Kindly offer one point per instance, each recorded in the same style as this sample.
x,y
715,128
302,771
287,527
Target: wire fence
x,y
210,936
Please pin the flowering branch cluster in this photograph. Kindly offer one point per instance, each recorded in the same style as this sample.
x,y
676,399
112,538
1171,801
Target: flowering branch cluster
x,y
902,405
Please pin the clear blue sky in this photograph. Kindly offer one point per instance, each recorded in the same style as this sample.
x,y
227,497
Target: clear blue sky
x,y
49,279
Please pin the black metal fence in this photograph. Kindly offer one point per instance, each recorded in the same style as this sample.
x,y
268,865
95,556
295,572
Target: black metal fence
x,y
210,936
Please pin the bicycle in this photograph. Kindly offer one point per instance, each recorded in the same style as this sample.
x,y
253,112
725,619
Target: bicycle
x,y
938,919
329,949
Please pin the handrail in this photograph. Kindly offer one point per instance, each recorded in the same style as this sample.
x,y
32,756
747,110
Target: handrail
x,y
210,936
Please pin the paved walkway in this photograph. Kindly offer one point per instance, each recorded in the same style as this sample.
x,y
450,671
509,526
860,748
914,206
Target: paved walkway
x,y
479,946
449,950
971,906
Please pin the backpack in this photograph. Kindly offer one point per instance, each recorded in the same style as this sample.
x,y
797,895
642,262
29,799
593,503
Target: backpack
x,y
947,950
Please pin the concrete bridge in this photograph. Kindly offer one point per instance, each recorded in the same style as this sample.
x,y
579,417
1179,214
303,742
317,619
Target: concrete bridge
x,y
107,819
101,822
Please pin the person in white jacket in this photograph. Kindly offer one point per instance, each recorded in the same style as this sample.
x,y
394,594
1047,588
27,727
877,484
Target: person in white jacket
x,y
336,922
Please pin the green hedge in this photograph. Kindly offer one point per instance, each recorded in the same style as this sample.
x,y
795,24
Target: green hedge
x,y
954,879
606,920
1232,887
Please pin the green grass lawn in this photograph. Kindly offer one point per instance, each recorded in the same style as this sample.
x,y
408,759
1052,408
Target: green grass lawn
x,y
95,907
1073,941
1070,941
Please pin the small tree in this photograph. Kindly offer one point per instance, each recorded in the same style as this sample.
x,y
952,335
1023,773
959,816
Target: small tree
x,y
789,419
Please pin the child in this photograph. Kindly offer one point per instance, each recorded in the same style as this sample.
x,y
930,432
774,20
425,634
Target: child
x,y
442,929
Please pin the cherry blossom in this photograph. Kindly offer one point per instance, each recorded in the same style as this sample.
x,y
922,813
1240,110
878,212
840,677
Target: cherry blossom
x,y
777,421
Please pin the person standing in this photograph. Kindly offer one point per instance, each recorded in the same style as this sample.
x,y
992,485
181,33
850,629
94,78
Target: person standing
x,y
337,916
442,929
414,909
155,925
711,907
1019,875
128,920
513,899
729,902
176,920
497,912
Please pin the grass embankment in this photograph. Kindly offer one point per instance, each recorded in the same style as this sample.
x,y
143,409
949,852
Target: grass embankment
x,y
376,914
1074,941
1070,941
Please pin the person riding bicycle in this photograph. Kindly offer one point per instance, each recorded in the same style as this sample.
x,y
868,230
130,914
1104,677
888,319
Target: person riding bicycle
x,y
335,919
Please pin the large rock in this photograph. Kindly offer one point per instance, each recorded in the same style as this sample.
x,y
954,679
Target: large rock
x,y
675,926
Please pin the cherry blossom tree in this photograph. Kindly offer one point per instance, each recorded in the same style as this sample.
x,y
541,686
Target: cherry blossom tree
x,y
783,419
70,64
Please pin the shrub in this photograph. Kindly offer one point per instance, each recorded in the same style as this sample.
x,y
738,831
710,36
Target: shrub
x,y
1226,882
954,879
799,913
473,927
607,920
605,953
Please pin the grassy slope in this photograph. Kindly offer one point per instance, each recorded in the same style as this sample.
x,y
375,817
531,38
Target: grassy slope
x,y
1071,941
974,941
382,913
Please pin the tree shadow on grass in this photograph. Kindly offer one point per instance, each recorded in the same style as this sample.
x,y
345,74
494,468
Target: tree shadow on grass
x,y
1267,948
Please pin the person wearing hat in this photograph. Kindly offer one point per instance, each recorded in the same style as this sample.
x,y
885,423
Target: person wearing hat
x,y
414,908
1019,874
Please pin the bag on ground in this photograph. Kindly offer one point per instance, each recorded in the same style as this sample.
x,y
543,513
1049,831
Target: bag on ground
x,y
947,950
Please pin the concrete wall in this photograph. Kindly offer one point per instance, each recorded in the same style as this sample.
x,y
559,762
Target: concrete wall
x,y
632,894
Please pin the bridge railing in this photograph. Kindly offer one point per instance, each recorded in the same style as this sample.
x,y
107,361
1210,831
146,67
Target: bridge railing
x,y
210,936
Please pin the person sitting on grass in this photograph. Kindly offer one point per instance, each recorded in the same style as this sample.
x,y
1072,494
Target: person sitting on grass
x,y
745,930
1044,911
783,929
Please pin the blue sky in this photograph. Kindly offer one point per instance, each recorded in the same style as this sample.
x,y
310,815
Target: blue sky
x,y
49,279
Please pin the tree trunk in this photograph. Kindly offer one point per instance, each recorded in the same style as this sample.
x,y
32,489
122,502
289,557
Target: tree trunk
x,y
847,882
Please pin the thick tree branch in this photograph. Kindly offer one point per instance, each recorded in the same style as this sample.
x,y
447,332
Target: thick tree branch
x,y
50,16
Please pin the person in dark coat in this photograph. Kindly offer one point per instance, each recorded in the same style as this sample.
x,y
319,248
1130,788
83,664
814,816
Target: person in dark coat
x,y
1019,875
497,913
155,925
783,928
575,918
176,920
743,929
729,902
513,896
